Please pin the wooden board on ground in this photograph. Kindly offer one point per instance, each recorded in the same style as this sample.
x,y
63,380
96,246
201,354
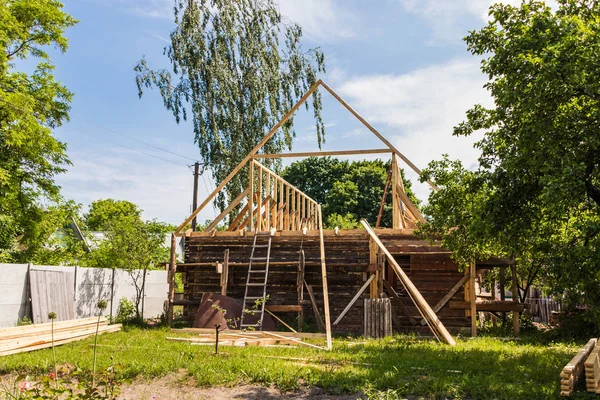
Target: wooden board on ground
x,y
572,373
592,370
299,335
37,338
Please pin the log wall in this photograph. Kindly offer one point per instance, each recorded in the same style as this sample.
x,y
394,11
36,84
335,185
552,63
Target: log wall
x,y
347,258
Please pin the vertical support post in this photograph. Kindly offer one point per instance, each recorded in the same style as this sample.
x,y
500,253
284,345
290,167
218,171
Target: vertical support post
x,y
268,205
473,297
372,263
225,274
259,223
251,196
171,276
493,284
515,293
324,279
502,290
395,210
112,288
195,194
300,285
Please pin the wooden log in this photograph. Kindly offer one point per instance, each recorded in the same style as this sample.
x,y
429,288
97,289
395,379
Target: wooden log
x,y
499,306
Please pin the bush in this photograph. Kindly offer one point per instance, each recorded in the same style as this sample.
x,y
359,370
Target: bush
x,y
126,311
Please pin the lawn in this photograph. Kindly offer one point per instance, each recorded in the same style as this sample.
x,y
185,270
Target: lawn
x,y
483,368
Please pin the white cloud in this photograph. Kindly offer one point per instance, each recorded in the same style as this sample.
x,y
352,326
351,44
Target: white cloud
x,y
321,20
422,106
444,16
162,190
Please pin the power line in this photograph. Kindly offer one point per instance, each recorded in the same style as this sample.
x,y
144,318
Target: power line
x,y
131,137
110,141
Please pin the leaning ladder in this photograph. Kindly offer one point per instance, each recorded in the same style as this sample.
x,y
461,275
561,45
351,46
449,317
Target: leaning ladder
x,y
257,280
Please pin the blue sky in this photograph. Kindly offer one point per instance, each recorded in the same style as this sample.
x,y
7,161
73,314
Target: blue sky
x,y
400,63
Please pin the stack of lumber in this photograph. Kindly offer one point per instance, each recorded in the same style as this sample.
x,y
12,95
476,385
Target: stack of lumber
x,y
573,372
20,339
592,370
244,338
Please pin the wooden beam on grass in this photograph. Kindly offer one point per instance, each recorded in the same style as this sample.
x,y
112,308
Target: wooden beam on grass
x,y
434,322
324,153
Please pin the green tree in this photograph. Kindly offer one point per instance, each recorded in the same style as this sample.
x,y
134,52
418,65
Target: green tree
x,y
347,190
31,106
131,245
235,78
104,212
536,193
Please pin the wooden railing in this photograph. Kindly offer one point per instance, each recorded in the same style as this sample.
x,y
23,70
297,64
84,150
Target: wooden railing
x,y
275,203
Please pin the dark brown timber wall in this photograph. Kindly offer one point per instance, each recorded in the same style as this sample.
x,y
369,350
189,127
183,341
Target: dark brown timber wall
x,y
347,258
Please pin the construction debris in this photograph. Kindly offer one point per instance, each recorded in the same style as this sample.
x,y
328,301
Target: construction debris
x,y
573,372
20,339
246,338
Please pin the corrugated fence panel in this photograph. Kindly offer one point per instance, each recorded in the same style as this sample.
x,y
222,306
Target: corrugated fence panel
x,y
52,290
13,293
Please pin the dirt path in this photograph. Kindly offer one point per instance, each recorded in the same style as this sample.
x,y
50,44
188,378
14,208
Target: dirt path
x,y
176,387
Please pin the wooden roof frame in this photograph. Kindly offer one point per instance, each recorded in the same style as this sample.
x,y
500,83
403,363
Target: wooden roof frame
x,y
253,153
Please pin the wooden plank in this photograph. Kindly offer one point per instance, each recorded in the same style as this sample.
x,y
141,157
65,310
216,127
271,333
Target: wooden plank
x,y
395,206
448,295
233,225
251,195
413,209
299,335
324,280
249,156
225,274
283,308
392,292
311,294
76,336
501,306
231,206
574,371
297,341
280,320
437,325
356,296
515,294
324,153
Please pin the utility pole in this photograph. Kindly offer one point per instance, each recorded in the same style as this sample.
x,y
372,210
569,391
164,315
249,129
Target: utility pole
x,y
195,199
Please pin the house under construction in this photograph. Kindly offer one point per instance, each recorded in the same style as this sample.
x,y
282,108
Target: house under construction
x,y
276,249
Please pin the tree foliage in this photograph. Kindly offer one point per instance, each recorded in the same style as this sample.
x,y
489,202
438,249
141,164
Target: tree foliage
x,y
234,78
105,212
31,106
536,193
347,190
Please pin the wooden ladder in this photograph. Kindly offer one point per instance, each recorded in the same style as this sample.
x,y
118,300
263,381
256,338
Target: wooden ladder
x,y
256,282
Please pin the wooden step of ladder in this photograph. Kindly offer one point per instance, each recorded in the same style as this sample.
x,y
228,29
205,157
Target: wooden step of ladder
x,y
256,282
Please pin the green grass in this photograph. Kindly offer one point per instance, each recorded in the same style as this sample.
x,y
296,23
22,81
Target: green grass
x,y
483,368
